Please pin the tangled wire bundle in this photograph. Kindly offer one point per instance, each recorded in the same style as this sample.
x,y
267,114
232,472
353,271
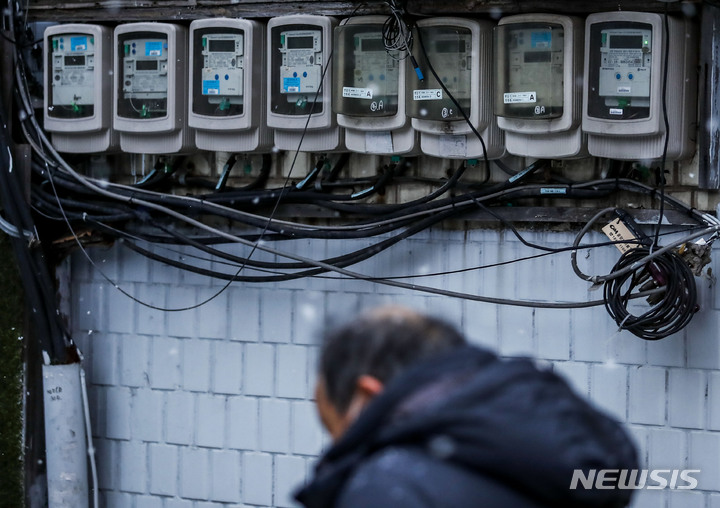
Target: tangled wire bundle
x,y
670,310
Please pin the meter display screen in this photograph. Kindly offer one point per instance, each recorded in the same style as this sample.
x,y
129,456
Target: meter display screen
x,y
373,43
537,57
529,67
74,60
450,46
72,76
146,65
620,69
449,50
143,89
218,72
626,41
296,69
300,42
221,45
366,75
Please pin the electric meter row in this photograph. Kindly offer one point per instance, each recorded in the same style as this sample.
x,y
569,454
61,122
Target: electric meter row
x,y
235,85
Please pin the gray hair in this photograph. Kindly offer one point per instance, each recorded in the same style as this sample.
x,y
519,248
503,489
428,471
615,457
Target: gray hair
x,y
381,343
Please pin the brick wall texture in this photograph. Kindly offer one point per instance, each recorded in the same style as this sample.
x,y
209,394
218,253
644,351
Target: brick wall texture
x,y
212,407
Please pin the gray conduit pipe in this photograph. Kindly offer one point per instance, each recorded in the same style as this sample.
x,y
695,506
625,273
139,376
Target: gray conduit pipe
x,y
65,440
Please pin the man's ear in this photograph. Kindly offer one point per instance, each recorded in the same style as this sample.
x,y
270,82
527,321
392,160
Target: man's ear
x,y
366,388
369,386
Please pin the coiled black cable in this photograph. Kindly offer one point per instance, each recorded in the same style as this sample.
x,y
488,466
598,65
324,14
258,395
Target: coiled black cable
x,y
677,302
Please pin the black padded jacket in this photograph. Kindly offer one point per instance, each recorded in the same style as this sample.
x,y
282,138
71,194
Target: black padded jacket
x,y
472,430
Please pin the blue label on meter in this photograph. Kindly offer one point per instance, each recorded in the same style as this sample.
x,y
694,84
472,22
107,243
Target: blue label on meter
x,y
78,43
291,84
540,40
153,48
211,87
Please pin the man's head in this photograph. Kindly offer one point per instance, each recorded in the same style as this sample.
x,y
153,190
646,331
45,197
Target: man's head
x,y
359,358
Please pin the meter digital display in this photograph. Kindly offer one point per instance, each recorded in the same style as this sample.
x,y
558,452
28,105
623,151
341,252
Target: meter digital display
x,y
620,67
144,85
298,40
72,76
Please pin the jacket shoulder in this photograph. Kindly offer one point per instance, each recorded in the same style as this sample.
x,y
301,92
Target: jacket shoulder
x,y
400,477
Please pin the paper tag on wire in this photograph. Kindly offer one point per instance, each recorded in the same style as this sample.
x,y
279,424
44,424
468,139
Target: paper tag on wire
x,y
617,231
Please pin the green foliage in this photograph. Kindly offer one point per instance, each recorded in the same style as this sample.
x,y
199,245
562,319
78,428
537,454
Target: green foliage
x,y
11,348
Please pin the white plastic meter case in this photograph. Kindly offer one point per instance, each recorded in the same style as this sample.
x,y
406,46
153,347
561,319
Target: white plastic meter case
x,y
299,83
78,88
227,85
151,88
369,89
460,51
623,111
538,85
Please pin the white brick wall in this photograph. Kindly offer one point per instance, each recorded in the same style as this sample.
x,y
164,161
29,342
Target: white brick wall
x,y
213,407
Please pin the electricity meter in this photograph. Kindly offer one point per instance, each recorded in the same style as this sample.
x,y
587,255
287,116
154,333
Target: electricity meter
x,y
150,90
460,51
369,89
538,90
78,87
299,83
227,85
623,110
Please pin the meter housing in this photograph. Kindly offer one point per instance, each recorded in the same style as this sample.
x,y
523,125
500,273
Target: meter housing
x,y
538,90
623,106
227,97
460,51
369,89
78,87
151,88
299,87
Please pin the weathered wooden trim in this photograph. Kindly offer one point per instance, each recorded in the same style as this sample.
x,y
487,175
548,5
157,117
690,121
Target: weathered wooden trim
x,y
177,10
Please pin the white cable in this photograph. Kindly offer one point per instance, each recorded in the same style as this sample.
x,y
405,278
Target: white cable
x,y
88,432
596,279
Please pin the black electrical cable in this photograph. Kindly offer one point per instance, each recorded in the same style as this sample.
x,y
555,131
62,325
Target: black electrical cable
x,y
262,177
338,262
199,208
32,265
225,174
159,174
410,213
323,184
312,175
666,121
220,187
626,184
675,306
